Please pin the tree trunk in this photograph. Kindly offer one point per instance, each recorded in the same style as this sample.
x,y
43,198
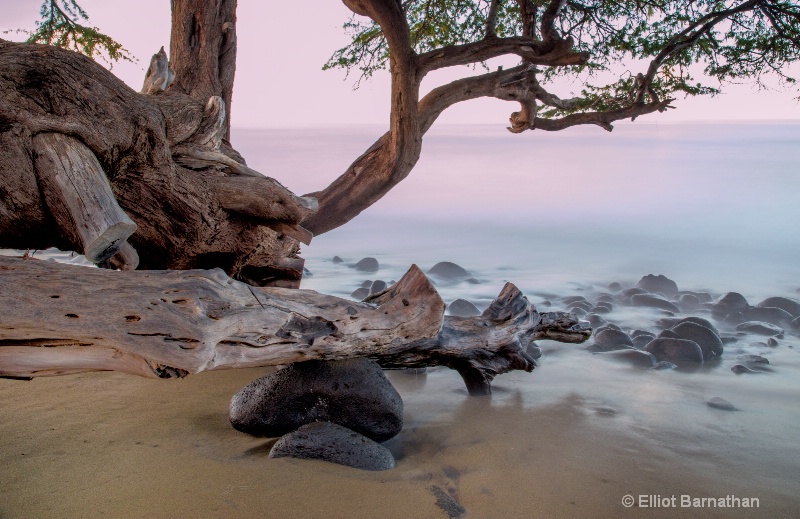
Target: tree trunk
x,y
194,202
203,50
166,324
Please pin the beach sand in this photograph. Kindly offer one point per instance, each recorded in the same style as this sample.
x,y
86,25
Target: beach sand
x,y
568,440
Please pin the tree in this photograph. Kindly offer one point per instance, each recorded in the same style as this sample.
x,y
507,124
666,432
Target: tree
x,y
194,202
89,165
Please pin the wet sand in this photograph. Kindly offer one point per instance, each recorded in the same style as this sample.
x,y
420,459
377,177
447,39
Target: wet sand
x,y
568,440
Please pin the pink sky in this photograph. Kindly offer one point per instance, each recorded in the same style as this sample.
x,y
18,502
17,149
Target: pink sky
x,y
279,81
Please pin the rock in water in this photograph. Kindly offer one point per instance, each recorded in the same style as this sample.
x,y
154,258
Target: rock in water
x,y
462,308
730,303
448,270
768,314
330,442
708,341
760,328
337,259
360,293
653,301
720,403
739,369
675,350
377,286
367,265
660,284
609,339
637,358
752,359
353,393
784,303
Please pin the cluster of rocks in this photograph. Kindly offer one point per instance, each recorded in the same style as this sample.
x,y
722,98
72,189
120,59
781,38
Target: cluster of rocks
x,y
692,339
444,271
336,411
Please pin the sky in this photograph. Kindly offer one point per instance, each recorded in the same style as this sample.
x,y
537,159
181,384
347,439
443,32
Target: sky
x,y
279,77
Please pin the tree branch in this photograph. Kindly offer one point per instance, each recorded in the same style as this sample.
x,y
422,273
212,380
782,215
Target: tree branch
x,y
530,50
527,12
687,38
548,27
491,19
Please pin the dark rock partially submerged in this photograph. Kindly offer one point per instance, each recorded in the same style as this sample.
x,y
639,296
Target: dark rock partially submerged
x,y
654,301
784,303
333,443
353,393
673,350
367,265
462,308
706,338
759,327
609,339
658,284
730,303
360,293
448,270
720,403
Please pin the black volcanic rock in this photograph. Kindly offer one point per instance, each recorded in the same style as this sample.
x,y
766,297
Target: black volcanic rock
x,y
462,308
367,265
353,393
658,284
327,441
448,270
675,350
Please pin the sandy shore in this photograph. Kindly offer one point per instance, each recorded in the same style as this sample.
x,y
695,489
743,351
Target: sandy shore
x,y
569,440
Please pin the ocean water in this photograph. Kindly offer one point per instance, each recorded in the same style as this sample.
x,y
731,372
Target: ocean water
x,y
712,206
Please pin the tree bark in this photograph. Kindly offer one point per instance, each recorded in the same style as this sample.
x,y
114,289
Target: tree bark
x,y
167,324
203,50
194,202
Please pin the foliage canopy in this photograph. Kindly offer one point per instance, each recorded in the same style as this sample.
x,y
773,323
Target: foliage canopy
x,y
722,41
59,26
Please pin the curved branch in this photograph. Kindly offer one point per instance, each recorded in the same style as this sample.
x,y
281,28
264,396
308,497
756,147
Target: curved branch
x,y
491,19
548,28
531,50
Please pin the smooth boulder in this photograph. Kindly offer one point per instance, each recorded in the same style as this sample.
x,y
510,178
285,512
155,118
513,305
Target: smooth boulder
x,y
448,270
367,265
353,393
658,284
327,441
609,339
768,314
730,303
673,350
784,303
462,308
654,301
759,328
708,341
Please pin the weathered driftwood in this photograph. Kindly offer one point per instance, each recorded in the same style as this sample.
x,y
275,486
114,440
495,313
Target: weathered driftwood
x,y
165,324
159,75
78,194
168,165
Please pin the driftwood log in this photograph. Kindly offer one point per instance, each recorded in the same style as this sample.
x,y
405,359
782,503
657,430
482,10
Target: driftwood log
x,y
60,319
